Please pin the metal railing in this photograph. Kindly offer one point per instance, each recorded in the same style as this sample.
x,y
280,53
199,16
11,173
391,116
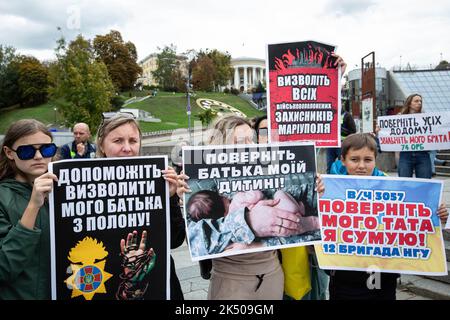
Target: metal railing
x,y
157,133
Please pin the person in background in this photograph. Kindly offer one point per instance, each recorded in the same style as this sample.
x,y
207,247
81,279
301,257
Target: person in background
x,y
26,151
435,161
411,162
80,147
348,127
262,131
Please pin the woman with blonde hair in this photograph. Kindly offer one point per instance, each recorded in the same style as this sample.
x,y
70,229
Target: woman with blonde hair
x,y
120,136
253,276
246,276
231,129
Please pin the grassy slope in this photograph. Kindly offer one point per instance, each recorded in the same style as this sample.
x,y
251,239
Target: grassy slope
x,y
170,108
43,113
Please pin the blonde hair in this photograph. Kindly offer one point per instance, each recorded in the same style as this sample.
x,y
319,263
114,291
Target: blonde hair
x,y
111,124
222,130
407,105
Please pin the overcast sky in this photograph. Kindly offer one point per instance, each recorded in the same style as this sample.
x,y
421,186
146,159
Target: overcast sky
x,y
399,31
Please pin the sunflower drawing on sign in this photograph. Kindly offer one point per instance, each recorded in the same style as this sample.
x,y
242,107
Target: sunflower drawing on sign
x,y
88,269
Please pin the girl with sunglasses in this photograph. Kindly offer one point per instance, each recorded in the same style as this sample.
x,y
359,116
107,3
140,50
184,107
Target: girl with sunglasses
x,y
24,221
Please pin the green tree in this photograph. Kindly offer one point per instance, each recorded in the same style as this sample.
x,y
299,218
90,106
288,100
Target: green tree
x,y
119,57
222,64
207,116
167,73
211,69
443,65
203,73
33,81
9,77
82,82
179,81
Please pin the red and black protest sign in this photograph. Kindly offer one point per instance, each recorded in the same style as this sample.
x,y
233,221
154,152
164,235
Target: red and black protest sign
x,y
304,93
94,206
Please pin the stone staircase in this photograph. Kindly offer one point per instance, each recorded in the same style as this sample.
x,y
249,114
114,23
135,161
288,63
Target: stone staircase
x,y
433,287
443,170
249,98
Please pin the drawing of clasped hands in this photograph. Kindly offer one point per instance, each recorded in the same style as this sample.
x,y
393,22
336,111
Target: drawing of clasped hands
x,y
281,216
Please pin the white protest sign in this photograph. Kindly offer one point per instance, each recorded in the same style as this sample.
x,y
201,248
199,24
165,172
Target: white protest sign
x,y
415,132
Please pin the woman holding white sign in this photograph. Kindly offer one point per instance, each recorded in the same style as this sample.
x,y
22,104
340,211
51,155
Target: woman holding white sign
x,y
120,136
411,162
247,276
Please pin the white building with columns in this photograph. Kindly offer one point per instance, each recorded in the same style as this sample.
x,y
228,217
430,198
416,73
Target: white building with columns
x,y
247,73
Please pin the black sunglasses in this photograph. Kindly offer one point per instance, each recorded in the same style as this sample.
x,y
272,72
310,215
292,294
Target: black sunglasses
x,y
27,152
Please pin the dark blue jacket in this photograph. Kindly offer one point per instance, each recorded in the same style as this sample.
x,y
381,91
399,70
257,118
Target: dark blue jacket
x,y
69,151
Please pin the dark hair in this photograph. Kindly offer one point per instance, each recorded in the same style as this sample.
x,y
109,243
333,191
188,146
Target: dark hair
x,y
359,141
17,130
257,122
407,104
205,204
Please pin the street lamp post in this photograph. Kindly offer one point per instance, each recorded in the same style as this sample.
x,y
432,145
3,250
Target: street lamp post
x,y
54,109
188,107
190,55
